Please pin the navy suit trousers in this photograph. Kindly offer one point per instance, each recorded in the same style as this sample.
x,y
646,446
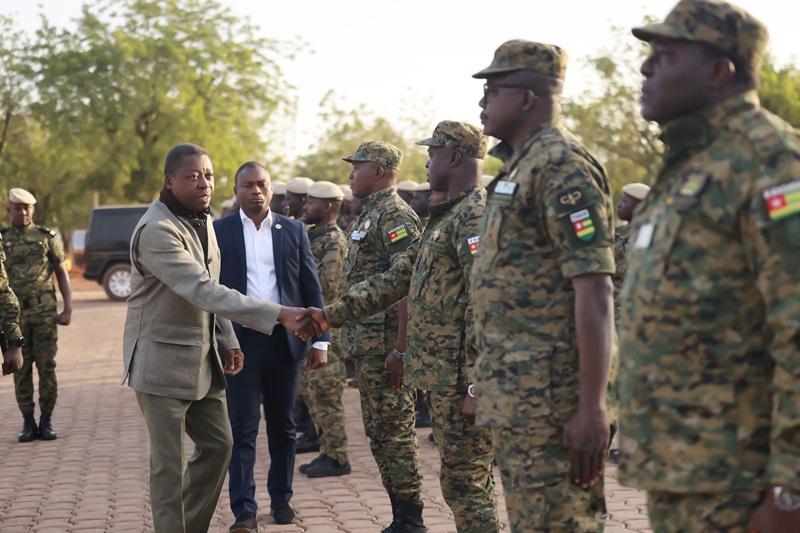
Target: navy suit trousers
x,y
268,379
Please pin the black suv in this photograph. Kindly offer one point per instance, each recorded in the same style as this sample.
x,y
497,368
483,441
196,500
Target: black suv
x,y
107,253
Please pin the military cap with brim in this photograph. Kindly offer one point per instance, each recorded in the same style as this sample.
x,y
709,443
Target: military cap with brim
x,y
636,190
325,190
299,185
278,188
720,24
459,135
378,152
541,58
348,192
18,195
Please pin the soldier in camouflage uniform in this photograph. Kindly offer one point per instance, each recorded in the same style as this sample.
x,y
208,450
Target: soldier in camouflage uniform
x,y
435,274
632,195
33,254
9,321
710,373
351,208
385,228
542,298
325,385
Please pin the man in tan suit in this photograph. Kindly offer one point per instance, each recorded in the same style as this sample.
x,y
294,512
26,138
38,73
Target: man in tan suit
x,y
177,334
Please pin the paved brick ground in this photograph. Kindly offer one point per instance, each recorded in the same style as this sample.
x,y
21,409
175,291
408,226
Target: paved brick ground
x,y
94,477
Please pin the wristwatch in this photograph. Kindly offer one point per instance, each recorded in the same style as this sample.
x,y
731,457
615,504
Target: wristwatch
x,y
784,500
471,391
17,341
397,353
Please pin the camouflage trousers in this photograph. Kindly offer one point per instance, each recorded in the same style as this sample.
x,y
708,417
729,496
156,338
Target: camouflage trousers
x,y
323,396
389,423
534,467
689,513
466,456
41,336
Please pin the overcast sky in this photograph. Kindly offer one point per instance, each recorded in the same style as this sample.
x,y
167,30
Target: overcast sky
x,y
392,55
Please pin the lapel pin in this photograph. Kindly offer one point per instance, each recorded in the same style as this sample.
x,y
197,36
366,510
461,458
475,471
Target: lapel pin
x,y
278,226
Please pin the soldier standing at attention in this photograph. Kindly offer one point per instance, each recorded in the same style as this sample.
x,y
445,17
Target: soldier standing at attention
x,y
632,195
435,274
351,208
542,298
9,321
278,194
33,254
386,227
296,193
406,190
324,386
710,372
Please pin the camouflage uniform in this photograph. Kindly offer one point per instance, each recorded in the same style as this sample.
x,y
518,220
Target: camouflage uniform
x,y
709,378
385,227
9,305
548,219
620,249
32,255
435,273
325,385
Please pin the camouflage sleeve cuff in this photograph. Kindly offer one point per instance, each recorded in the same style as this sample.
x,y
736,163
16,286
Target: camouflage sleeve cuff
x,y
337,314
12,331
588,261
784,471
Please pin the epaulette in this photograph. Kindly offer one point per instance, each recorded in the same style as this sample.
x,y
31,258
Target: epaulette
x,y
47,230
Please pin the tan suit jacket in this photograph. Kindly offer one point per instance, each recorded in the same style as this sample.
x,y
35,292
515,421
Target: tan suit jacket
x,y
170,347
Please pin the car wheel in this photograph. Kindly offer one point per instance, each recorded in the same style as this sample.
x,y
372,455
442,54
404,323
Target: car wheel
x,y
117,282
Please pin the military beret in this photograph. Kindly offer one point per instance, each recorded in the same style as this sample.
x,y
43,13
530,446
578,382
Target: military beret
x,y
348,192
540,58
407,186
21,196
325,190
423,187
636,190
486,180
279,188
378,152
299,185
458,135
725,26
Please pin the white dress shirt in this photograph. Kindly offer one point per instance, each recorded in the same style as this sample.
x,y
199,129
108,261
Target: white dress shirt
x,y
262,278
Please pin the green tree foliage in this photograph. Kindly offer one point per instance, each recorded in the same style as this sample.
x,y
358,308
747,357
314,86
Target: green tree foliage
x,y
780,91
132,79
344,129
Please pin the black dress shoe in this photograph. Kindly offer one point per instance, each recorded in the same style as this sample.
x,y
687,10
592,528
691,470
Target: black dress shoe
x,y
29,430
328,467
307,444
304,467
282,513
245,523
46,431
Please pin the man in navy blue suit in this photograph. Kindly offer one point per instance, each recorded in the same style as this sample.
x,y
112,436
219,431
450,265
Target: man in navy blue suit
x,y
267,256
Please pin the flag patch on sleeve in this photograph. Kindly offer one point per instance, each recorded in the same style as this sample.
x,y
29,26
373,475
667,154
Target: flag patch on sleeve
x,y
582,225
397,234
783,201
473,243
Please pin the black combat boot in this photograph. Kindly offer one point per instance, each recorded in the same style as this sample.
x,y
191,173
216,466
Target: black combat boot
x,y
46,431
395,516
410,516
29,430
308,442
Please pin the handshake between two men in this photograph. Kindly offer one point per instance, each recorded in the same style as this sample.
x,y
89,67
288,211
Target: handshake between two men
x,y
306,323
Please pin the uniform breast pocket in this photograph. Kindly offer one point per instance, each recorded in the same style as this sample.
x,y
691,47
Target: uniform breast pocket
x,y
496,209
650,254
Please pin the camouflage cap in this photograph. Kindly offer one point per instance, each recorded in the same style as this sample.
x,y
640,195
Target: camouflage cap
x,y
18,195
545,59
458,135
726,26
378,152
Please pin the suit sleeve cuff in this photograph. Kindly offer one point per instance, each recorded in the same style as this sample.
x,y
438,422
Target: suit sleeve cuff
x,y
321,345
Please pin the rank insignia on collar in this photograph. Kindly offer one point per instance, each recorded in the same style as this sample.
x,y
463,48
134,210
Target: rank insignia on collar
x,y
783,201
582,225
693,184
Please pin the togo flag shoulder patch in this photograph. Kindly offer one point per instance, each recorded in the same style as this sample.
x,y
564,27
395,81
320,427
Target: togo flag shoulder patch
x,y
783,201
582,225
397,234
473,243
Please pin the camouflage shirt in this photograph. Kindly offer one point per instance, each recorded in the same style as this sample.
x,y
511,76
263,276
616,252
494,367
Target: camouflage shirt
x,y
383,230
32,255
548,219
620,249
328,244
9,306
710,369
435,275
